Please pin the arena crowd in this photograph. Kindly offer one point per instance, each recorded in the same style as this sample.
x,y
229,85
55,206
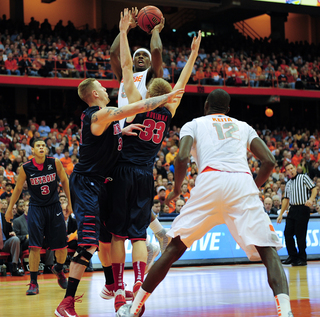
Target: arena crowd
x,y
36,49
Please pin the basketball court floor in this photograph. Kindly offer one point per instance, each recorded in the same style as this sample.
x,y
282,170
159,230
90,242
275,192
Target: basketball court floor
x,y
219,291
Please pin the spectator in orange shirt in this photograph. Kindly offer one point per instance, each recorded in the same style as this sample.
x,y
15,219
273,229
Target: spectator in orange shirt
x,y
207,80
3,186
11,65
199,75
217,77
231,76
66,159
296,159
243,76
169,188
9,174
70,166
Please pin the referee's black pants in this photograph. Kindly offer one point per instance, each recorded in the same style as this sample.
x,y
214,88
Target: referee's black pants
x,y
297,225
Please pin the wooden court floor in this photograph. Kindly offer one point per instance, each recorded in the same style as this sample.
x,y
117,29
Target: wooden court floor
x,y
228,290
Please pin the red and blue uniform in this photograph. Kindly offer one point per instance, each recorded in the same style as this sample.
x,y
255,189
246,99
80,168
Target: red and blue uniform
x,y
131,191
45,217
98,156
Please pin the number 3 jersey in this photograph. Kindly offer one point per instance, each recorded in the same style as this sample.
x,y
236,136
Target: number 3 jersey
x,y
42,182
142,150
220,142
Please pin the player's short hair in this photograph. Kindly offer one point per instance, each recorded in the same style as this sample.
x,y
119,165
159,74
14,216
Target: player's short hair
x,y
219,100
159,87
37,140
85,88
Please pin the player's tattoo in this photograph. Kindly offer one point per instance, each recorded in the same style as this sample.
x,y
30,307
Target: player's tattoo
x,y
154,102
94,118
117,112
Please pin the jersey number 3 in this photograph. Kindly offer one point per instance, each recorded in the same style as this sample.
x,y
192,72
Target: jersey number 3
x,y
150,133
45,190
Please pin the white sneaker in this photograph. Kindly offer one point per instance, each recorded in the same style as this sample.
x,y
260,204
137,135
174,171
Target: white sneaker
x,y
163,239
153,251
107,292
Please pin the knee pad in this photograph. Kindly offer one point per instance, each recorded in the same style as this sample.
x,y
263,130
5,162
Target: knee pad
x,y
82,252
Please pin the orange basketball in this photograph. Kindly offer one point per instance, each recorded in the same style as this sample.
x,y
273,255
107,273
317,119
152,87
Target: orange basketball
x,y
148,17
269,112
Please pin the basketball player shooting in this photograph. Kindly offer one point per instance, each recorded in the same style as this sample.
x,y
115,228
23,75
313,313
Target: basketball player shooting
x,y
146,65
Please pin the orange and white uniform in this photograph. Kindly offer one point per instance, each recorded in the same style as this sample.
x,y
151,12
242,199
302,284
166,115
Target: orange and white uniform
x,y
225,192
140,80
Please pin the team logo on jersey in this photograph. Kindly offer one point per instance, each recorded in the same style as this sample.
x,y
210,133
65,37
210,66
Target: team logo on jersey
x,y
43,179
123,93
50,167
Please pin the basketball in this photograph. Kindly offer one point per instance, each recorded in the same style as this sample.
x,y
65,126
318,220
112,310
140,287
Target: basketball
x,y
269,112
148,17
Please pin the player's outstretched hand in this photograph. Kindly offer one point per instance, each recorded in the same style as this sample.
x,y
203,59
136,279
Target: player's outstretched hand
x,y
129,129
133,17
196,42
9,215
159,26
175,95
125,17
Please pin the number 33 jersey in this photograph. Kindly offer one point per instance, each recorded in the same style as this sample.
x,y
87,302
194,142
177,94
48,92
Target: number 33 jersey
x,y
42,182
220,142
142,150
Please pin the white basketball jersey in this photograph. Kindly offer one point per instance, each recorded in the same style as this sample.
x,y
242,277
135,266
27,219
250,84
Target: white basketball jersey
x,y
140,80
220,142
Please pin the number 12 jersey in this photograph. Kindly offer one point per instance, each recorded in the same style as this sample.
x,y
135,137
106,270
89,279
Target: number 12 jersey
x,y
220,142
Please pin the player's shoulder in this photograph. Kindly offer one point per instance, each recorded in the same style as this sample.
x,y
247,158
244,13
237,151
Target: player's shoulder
x,y
90,110
28,163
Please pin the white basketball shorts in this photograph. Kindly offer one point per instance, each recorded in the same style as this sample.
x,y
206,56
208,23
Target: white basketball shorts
x,y
230,198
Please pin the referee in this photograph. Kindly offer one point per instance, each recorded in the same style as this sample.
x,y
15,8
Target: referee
x,y
297,195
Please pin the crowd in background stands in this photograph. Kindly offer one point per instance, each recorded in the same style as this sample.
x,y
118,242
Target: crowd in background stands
x,y
38,49
299,147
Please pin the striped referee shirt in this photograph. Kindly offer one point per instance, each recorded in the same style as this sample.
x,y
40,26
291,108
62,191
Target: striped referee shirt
x,y
298,189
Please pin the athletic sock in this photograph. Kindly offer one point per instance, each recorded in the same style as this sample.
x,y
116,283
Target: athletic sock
x,y
58,267
155,226
34,277
117,269
72,287
108,274
283,304
139,301
139,269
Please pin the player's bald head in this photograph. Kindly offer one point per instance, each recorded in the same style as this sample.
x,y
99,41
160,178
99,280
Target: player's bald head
x,y
217,102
